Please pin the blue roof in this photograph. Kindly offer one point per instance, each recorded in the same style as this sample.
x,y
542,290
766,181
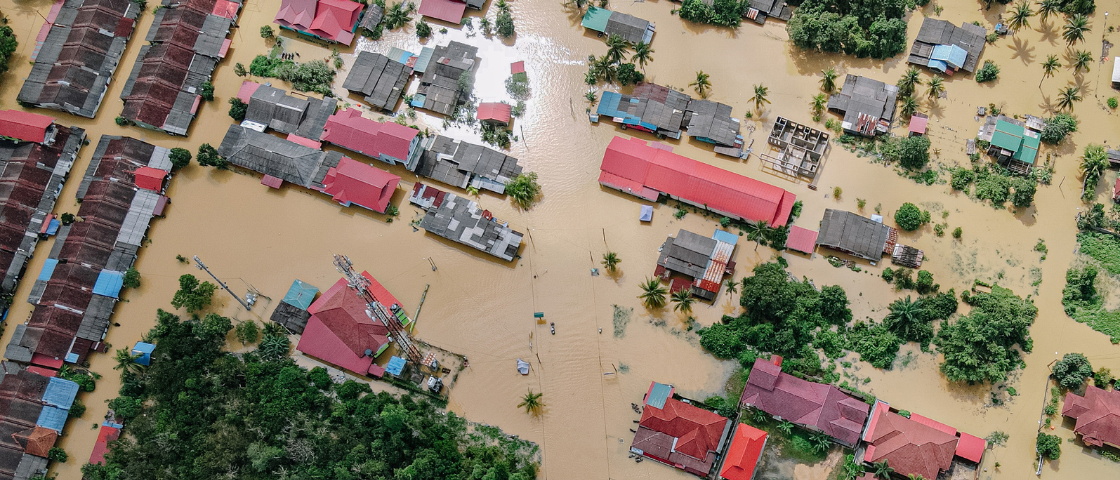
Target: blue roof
x,y
658,394
143,353
60,393
301,294
418,100
109,283
52,228
395,366
725,237
423,60
608,105
949,54
71,358
647,213
938,65
48,269
52,418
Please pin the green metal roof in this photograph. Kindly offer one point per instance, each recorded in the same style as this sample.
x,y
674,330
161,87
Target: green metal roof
x,y
1007,136
1029,151
596,19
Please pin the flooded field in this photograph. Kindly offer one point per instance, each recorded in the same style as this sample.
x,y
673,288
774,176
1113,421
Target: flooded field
x,y
481,308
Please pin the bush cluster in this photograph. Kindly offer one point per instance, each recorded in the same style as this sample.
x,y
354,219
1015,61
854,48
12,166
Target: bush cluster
x,y
872,28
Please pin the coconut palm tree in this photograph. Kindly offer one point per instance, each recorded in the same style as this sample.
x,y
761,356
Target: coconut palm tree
x,y
1020,17
1067,96
828,79
653,293
1093,164
756,232
642,54
126,361
732,286
1050,66
819,101
616,48
1081,61
935,88
531,402
702,83
759,97
909,80
611,261
907,319
1075,29
909,106
683,300
882,470
1046,8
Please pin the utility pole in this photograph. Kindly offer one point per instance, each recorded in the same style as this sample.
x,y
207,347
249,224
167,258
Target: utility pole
x,y
202,266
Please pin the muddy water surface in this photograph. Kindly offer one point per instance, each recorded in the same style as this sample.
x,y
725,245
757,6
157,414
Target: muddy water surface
x,y
249,234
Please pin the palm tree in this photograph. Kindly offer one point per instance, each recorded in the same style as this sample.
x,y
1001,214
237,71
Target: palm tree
x,y
1050,66
882,470
935,87
821,442
606,69
756,232
1075,29
611,261
907,319
531,402
819,101
702,83
1093,165
683,300
732,286
1081,60
616,48
828,79
759,97
1049,7
785,427
909,106
653,293
909,80
126,361
1020,17
642,54
1067,96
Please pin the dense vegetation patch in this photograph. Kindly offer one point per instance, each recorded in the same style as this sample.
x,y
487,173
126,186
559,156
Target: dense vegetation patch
x,y
727,13
1080,297
8,45
864,28
987,344
313,76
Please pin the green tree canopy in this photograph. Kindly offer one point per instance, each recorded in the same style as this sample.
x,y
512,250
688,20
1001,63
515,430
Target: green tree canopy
x,y
908,217
193,295
984,346
1072,371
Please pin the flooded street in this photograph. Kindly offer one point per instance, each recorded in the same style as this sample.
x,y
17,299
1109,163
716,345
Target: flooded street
x,y
482,308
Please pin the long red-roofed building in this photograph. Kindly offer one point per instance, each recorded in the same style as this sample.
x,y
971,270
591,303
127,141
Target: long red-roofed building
x,y
744,453
681,435
632,166
353,182
816,406
26,126
330,20
340,332
1097,415
910,446
386,141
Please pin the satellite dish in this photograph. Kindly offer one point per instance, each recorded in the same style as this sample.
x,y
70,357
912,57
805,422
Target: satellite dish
x,y
369,352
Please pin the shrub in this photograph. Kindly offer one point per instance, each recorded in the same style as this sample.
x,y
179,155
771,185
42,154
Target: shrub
x,y
206,90
208,156
1113,103
726,13
1057,127
423,30
1049,446
993,186
77,409
8,44
1024,192
629,75
987,73
888,274
854,28
131,278
1072,371
961,178
913,152
267,32
247,332
67,218
57,454
123,122
925,282
180,157
504,21
908,217
957,233
524,189
237,109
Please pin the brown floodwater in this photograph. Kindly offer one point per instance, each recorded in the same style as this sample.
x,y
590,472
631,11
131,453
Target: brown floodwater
x,y
249,234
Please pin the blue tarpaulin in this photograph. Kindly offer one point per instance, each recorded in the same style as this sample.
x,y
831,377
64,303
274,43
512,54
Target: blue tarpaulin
x,y
52,227
71,358
646,214
109,283
48,269
143,353
301,294
395,366
60,393
725,237
53,418
418,100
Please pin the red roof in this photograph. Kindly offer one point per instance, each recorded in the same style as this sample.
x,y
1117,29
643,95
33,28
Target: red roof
x,y
355,182
908,446
321,342
1116,189
46,372
681,435
271,181
45,361
104,436
150,178
918,124
449,11
350,130
632,166
801,239
821,406
494,112
246,91
1097,415
226,8
26,126
339,330
744,454
307,142
332,20
517,67
381,293
971,447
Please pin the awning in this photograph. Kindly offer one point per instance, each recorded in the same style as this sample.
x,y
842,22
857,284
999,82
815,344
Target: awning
x,y
109,283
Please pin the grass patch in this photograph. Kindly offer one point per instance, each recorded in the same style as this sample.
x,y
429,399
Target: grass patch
x,y
1103,248
1100,320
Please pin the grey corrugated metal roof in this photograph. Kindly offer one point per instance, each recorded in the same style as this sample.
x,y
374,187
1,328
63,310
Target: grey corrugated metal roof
x,y
460,220
934,32
441,79
318,111
854,234
139,216
267,154
630,28
276,109
381,79
290,316
95,320
372,17
455,163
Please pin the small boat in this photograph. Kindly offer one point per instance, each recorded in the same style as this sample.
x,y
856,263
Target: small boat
x,y
522,367
553,326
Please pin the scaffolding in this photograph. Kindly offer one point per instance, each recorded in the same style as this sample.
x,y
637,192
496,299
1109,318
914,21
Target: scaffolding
x,y
360,285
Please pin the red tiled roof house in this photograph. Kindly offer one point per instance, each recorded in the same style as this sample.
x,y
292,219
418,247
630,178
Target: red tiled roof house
x,y
353,182
744,453
909,446
26,126
386,141
815,406
494,113
1097,415
341,333
681,435
634,167
330,20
